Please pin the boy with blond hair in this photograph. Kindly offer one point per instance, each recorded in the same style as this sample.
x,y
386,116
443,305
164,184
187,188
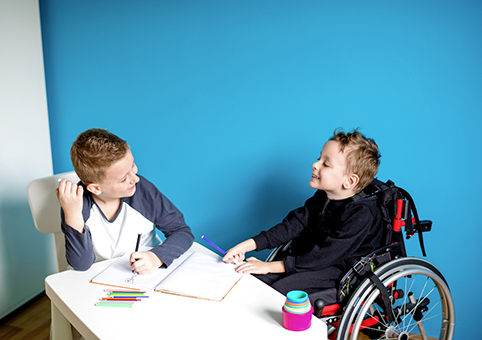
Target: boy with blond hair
x,y
103,215
331,227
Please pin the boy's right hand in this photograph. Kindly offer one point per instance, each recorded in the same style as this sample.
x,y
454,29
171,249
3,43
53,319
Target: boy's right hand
x,y
237,253
70,197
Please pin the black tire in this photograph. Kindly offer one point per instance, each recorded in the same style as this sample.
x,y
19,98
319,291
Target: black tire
x,y
425,308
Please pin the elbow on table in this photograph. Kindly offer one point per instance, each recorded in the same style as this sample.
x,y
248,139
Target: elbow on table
x,y
80,265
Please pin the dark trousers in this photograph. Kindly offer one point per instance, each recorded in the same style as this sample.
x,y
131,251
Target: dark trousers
x,y
310,281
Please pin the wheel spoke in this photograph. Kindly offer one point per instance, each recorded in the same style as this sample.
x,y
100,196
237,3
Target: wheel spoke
x,y
411,313
429,302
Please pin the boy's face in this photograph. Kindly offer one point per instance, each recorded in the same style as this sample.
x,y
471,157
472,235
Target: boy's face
x,y
120,178
329,172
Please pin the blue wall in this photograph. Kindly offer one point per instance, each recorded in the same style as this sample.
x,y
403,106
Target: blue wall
x,y
226,104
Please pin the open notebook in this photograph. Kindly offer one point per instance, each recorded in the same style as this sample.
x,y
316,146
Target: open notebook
x,y
193,274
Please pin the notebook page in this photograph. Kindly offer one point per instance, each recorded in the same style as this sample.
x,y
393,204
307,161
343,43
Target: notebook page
x,y
117,274
201,276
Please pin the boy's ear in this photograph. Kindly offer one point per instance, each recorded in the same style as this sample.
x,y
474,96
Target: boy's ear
x,y
351,182
94,188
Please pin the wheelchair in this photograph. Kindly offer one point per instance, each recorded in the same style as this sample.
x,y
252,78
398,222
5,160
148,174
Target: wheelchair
x,y
387,294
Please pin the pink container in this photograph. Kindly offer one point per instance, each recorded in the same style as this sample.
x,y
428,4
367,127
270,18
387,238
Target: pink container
x,y
297,322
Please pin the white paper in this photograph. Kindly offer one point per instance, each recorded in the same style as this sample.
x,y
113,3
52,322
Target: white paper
x,y
201,276
193,274
120,270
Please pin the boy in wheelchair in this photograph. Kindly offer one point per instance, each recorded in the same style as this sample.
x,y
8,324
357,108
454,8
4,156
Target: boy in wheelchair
x,y
345,248
332,226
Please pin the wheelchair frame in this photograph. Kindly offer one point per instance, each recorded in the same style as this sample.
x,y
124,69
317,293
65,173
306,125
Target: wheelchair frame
x,y
387,295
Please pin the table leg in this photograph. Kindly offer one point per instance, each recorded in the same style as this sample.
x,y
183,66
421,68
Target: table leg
x,y
60,329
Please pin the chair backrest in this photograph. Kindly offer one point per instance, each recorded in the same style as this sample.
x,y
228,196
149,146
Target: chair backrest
x,y
45,209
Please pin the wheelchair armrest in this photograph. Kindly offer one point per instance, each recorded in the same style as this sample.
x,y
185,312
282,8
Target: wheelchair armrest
x,y
424,226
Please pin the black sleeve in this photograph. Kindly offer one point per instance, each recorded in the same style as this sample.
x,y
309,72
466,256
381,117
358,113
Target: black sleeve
x,y
291,226
79,250
343,241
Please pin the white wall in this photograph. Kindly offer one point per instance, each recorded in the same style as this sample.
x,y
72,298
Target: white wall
x,y
25,154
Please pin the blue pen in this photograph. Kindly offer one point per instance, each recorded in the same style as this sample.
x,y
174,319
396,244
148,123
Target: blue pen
x,y
215,246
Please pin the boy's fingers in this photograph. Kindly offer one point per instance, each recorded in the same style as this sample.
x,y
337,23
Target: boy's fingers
x,y
241,267
228,257
65,187
135,256
80,190
72,187
61,186
143,263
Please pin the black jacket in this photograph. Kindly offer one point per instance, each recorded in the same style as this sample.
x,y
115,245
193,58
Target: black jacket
x,y
325,232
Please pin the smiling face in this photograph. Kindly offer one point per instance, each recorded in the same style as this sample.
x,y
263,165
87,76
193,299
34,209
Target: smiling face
x,y
329,172
120,179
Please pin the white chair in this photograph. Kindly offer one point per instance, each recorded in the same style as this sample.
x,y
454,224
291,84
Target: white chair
x,y
45,209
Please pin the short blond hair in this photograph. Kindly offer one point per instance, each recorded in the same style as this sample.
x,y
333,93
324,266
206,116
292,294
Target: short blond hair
x,y
93,152
362,155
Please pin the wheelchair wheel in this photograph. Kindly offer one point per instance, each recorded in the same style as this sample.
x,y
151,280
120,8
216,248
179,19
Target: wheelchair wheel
x,y
420,300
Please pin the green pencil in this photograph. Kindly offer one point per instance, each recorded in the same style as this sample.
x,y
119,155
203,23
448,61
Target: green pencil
x,y
115,304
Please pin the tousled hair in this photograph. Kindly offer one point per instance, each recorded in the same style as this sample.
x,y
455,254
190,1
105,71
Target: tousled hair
x,y
93,152
362,155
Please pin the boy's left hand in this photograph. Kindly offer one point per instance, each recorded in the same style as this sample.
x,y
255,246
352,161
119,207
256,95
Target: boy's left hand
x,y
145,262
254,266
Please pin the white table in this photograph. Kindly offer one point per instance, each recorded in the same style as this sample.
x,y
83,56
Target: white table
x,y
252,310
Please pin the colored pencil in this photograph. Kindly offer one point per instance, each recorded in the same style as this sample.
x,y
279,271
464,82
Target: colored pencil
x,y
124,297
123,291
114,304
215,246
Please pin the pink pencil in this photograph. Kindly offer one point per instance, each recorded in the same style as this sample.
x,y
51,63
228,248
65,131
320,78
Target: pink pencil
x,y
123,291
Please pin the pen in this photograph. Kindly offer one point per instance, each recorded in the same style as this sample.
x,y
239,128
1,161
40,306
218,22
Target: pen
x,y
215,246
137,246
138,241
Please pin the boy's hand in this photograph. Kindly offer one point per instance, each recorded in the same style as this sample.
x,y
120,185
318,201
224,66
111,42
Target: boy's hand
x,y
255,266
235,258
70,197
237,253
145,262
